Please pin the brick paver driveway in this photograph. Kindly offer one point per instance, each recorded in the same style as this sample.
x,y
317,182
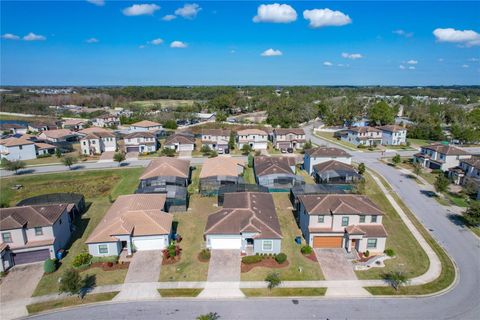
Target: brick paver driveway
x,y
224,266
335,265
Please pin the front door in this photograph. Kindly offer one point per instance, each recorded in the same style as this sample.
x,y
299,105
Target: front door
x,y
354,244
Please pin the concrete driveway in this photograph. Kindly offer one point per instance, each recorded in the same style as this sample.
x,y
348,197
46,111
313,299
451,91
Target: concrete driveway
x,y
224,266
145,266
335,265
107,156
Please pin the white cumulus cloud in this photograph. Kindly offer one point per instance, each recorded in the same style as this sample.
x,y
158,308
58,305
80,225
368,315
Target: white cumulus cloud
x,y
140,9
328,64
275,13
178,44
403,33
353,56
92,40
10,36
467,38
188,11
97,2
156,41
169,17
411,68
33,37
412,62
474,59
465,66
401,66
271,53
325,17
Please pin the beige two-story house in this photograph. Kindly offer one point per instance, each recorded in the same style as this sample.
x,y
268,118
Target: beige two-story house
x,y
257,139
216,139
440,156
288,138
33,233
347,221
365,136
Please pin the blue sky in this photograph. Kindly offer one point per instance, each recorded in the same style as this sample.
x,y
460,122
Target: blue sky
x,y
342,43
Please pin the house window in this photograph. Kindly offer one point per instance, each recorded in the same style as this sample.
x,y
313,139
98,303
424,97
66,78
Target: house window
x,y
102,248
7,237
362,219
38,231
374,219
20,147
60,221
345,221
371,243
321,219
267,245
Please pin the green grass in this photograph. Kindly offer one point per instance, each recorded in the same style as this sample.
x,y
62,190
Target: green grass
x,y
70,301
330,138
191,226
165,103
410,257
171,293
457,199
249,176
419,142
96,186
428,176
310,270
308,178
447,275
193,188
284,292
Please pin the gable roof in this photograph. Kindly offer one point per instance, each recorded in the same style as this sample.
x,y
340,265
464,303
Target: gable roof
x,y
369,231
246,212
167,166
298,131
140,134
265,165
180,138
145,124
363,129
30,216
216,132
446,149
339,204
73,122
92,130
58,133
43,146
221,166
134,214
246,132
327,152
12,141
392,128
333,165
98,135
473,161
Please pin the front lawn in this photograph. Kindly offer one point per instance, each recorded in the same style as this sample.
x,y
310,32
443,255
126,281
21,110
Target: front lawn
x,y
410,257
70,301
299,268
191,226
284,292
249,175
96,186
330,138
171,293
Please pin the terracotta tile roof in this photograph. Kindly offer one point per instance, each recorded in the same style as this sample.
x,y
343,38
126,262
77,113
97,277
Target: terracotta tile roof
x,y
12,142
145,124
141,134
221,166
392,128
31,216
59,133
246,212
327,152
43,146
180,138
265,165
473,161
251,131
166,166
136,215
93,129
363,129
333,165
216,132
282,131
446,149
74,122
339,204
98,135
368,230
8,126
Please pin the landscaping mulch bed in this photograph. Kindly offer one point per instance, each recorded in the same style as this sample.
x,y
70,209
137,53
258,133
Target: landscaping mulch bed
x,y
312,256
173,260
267,263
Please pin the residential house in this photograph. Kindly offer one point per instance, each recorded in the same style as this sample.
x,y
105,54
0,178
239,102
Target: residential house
x,y
219,171
98,143
335,172
107,120
134,222
216,139
440,156
142,142
40,126
170,176
347,221
13,128
364,136
276,173
393,135
257,139
314,189
58,136
247,222
74,124
318,155
284,139
23,147
33,233
180,142
146,125
467,171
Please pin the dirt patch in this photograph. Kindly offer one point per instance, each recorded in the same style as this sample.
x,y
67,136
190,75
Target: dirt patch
x,y
267,263
312,256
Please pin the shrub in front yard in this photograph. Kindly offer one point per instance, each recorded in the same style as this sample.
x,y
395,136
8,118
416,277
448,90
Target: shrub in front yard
x,y
50,265
281,258
389,252
366,253
82,259
273,280
205,254
306,250
252,259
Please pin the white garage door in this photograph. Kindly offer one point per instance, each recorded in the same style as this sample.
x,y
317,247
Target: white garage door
x,y
149,244
185,147
226,243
